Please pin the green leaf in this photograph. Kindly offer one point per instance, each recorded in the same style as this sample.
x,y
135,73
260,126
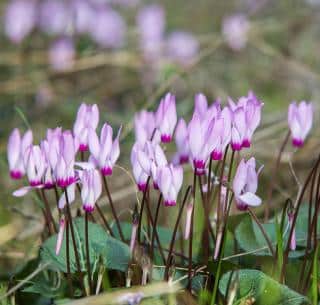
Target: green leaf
x,y
115,254
251,239
257,285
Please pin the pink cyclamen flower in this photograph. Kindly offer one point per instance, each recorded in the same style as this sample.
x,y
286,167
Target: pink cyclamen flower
x,y
235,30
61,54
204,111
138,169
64,169
238,128
104,151
19,19
245,184
144,126
166,117
16,150
200,148
300,119
35,165
87,118
91,189
252,112
170,181
221,134
181,139
147,159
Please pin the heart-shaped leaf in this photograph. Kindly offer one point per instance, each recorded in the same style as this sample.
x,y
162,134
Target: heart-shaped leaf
x,y
255,284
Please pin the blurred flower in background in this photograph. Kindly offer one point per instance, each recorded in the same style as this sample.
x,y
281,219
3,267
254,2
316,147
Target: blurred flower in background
x,y
19,19
108,29
235,30
182,47
61,54
151,27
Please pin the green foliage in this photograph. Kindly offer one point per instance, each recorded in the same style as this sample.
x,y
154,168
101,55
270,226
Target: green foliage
x,y
114,254
257,285
250,238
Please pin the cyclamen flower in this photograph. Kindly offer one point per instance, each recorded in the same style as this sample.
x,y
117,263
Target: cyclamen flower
x,y
104,152
300,119
19,19
140,175
87,118
221,134
147,160
245,184
166,117
16,149
91,189
181,139
238,129
251,107
204,111
35,165
170,181
199,132
64,169
144,126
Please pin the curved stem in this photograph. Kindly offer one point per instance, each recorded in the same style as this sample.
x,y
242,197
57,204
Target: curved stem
x,y
263,231
141,209
104,220
88,254
173,238
274,176
155,226
112,207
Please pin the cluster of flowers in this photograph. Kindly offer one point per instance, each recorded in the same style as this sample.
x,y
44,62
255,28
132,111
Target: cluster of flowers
x,y
53,163
98,20
207,135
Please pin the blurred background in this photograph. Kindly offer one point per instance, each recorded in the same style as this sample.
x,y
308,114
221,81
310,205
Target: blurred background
x,y
125,54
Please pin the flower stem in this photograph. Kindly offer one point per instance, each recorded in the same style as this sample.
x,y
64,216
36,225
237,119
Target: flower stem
x,y
88,253
75,248
189,287
141,209
173,238
299,201
274,176
68,260
112,208
104,220
263,231
155,226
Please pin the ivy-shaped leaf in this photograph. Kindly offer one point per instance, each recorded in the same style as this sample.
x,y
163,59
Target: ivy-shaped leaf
x,y
113,252
265,291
